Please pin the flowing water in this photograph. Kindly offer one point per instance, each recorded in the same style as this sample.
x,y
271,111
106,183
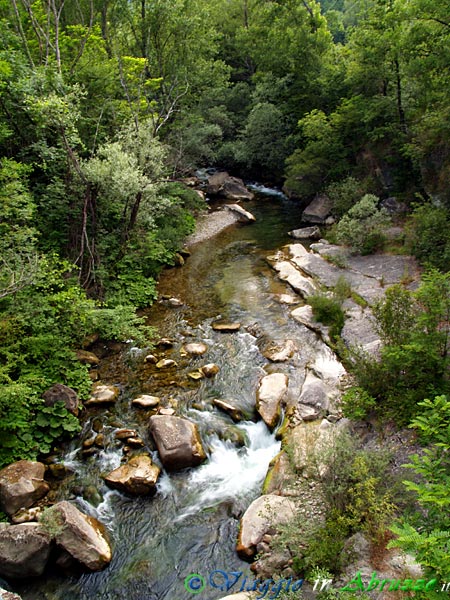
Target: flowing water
x,y
191,524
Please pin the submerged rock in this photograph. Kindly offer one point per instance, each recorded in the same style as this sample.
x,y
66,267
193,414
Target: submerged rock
x,y
24,550
83,537
235,413
178,442
263,514
271,391
21,485
138,476
196,375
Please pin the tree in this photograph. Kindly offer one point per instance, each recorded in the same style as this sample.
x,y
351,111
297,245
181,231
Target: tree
x,y
430,542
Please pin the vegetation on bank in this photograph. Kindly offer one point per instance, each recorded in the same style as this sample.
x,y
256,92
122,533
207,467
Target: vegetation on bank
x,y
104,104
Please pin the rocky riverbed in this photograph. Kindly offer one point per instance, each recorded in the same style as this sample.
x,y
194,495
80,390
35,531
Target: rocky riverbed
x,y
238,319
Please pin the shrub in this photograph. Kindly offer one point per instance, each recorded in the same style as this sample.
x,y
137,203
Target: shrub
x,y
344,195
328,310
428,236
362,227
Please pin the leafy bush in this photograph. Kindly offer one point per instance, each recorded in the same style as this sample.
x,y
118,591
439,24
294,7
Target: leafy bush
x,y
357,403
413,361
428,236
358,496
344,195
328,311
362,227
430,542
28,427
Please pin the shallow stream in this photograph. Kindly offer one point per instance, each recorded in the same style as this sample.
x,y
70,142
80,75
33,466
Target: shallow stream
x,y
191,525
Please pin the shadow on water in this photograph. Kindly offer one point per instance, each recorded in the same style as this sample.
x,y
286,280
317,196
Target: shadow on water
x,y
191,525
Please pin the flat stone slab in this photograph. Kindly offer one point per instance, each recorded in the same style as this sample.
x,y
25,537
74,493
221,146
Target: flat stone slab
x,y
302,285
304,315
358,329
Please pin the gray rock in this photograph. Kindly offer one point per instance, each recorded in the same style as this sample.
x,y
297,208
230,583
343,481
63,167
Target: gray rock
x,y
83,537
306,233
244,215
307,412
304,286
103,394
62,393
318,210
232,188
263,514
24,550
178,442
358,329
315,393
271,391
195,348
279,351
305,316
137,477
21,485
234,412
146,401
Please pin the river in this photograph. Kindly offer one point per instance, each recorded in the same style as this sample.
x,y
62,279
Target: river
x,y
191,525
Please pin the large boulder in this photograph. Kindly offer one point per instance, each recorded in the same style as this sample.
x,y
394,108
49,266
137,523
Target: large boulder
x,y
82,536
271,391
138,476
24,550
21,485
62,393
178,442
232,188
318,210
315,393
263,514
